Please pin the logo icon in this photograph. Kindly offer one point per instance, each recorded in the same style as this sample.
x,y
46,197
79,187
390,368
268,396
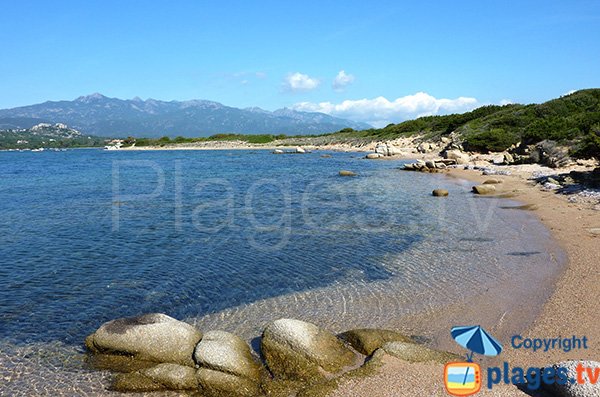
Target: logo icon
x,y
464,378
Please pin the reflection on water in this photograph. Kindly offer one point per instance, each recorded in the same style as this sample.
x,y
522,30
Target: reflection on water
x,y
232,240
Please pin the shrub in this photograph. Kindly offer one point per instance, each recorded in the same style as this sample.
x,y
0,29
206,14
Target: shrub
x,y
496,140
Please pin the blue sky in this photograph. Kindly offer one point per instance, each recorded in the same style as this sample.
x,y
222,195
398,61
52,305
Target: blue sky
x,y
400,59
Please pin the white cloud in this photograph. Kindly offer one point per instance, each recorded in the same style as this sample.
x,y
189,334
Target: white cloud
x,y
300,82
342,80
380,111
506,102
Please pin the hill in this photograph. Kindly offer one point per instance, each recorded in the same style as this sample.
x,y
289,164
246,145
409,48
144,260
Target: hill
x,y
99,115
46,135
571,120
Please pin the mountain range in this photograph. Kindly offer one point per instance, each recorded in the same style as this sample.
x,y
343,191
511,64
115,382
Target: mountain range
x,y
99,115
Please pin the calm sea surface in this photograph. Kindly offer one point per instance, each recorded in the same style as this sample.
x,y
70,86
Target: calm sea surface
x,y
232,239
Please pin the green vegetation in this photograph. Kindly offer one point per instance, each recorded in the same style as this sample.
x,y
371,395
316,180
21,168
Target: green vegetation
x,y
572,120
165,140
47,138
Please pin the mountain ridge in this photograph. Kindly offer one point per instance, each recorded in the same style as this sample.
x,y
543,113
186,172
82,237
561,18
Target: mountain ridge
x,y
100,115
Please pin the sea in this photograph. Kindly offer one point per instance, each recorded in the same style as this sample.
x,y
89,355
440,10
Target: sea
x,y
233,239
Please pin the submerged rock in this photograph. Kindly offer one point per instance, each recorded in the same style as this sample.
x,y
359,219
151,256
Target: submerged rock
x,y
367,340
347,173
298,350
373,156
415,353
164,376
440,192
484,189
152,337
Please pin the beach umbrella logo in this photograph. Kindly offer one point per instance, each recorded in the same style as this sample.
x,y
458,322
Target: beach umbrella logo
x,y
477,340
464,378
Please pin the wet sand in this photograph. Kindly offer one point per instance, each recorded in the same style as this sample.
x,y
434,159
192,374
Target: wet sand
x,y
571,309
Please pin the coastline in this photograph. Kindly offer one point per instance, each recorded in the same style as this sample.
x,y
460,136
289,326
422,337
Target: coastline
x,y
569,311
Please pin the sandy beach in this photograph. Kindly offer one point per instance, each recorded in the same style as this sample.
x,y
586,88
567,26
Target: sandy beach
x,y
570,310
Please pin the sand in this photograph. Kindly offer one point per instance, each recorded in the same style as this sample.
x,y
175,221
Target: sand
x,y
572,308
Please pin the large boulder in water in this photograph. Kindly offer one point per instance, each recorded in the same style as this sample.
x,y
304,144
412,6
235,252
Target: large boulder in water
x,y
152,337
367,340
164,376
226,352
298,350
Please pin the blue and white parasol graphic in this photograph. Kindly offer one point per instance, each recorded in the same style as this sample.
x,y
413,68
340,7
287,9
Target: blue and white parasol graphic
x,y
477,340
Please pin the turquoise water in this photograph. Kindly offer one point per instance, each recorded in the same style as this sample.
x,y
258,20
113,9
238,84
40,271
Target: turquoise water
x,y
232,239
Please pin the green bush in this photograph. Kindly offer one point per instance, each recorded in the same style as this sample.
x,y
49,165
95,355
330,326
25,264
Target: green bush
x,y
496,140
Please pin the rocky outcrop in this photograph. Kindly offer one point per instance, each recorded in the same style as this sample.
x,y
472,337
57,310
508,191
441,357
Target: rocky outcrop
x,y
298,350
152,337
160,377
367,340
226,365
429,165
415,353
454,154
386,149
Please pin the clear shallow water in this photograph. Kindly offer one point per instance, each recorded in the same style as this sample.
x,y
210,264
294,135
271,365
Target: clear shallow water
x,y
232,239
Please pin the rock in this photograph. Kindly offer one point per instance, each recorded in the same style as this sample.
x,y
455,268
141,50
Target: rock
x,y
372,156
277,151
415,353
430,164
595,231
298,350
226,352
385,149
587,389
440,192
552,181
152,337
420,163
325,156
300,150
220,384
492,181
164,376
508,158
424,147
445,140
441,166
409,167
484,189
347,173
367,340
457,155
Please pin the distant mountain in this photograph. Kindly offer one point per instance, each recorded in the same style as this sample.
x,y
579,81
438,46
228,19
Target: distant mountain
x,y
99,115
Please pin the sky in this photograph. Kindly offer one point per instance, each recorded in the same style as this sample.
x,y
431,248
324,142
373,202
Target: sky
x,y
382,62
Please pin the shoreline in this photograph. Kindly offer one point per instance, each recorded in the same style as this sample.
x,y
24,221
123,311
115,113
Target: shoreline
x,y
570,309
